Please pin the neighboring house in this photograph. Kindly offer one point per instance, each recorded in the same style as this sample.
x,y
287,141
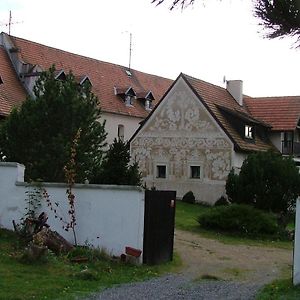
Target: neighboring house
x,y
12,92
126,96
191,138
283,114
195,135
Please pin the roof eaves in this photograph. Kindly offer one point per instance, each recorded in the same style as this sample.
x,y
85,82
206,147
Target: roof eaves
x,y
243,116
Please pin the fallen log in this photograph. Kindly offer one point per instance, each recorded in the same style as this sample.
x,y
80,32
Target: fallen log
x,y
53,241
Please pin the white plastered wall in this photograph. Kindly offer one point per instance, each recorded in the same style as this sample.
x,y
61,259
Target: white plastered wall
x,y
180,133
130,124
107,216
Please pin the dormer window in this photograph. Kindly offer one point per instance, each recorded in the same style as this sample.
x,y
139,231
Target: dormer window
x,y
60,75
127,94
128,100
83,79
146,98
248,132
148,104
1,80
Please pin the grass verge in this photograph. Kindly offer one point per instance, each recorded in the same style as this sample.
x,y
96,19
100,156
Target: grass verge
x,y
58,278
280,289
186,219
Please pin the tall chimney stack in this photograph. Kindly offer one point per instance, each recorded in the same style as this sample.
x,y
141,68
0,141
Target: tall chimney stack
x,y
235,88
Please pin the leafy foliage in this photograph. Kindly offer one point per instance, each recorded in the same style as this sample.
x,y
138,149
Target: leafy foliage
x,y
182,3
239,218
279,17
222,201
266,181
189,197
39,134
116,167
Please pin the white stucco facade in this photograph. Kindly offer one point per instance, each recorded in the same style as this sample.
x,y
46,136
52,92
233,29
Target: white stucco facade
x,y
275,138
107,216
238,159
113,121
182,139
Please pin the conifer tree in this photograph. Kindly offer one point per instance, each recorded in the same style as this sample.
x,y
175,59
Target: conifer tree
x,y
39,134
116,167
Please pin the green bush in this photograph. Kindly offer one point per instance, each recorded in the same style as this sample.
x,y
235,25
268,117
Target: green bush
x,y
267,181
243,219
189,197
222,201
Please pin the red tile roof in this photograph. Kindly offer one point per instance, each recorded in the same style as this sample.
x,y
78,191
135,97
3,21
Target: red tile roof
x,y
12,92
215,97
281,112
103,76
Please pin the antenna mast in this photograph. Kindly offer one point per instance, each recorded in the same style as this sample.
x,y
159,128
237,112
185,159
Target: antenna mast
x,y
9,22
130,49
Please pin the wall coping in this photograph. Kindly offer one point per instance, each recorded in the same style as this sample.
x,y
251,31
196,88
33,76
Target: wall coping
x,y
84,186
11,164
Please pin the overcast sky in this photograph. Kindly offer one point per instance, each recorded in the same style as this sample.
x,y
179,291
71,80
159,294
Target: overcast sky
x,y
207,41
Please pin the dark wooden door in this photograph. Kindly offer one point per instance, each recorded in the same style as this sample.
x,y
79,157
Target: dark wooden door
x,y
159,226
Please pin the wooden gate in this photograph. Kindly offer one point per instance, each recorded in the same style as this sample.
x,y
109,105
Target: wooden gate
x,y
159,226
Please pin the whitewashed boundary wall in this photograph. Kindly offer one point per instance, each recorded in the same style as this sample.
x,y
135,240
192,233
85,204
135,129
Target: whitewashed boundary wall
x,y
296,268
107,216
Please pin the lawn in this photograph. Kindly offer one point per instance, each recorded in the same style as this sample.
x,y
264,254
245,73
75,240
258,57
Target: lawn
x,y
280,289
58,278
186,219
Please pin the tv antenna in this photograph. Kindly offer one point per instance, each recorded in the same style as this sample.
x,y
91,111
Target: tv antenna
x,y
130,49
10,23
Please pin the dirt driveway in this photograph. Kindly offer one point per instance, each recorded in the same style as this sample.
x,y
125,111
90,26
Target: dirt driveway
x,y
203,256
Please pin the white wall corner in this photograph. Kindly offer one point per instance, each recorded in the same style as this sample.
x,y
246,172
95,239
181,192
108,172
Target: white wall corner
x,y
296,262
20,172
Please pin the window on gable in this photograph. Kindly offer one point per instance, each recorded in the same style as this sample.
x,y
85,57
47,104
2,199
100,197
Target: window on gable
x,y
248,132
128,100
148,104
121,132
195,172
161,171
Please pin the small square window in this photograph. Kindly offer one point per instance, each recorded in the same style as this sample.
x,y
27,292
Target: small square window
x,y
248,132
161,171
195,172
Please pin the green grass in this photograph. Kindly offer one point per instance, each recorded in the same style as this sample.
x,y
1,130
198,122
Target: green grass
x,y
280,289
186,219
60,279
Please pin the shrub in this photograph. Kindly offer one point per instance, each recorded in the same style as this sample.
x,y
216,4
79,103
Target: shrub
x,y
266,181
189,197
222,201
243,219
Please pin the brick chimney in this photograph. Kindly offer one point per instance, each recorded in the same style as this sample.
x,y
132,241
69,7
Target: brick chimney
x,y
235,88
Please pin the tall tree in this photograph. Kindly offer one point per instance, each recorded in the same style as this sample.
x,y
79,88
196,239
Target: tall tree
x,y
39,134
116,167
279,18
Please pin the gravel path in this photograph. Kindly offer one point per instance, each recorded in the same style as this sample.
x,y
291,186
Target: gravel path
x,y
242,271
177,287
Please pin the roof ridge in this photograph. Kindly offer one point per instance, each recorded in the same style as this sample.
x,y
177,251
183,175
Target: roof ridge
x,y
274,97
86,57
212,84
